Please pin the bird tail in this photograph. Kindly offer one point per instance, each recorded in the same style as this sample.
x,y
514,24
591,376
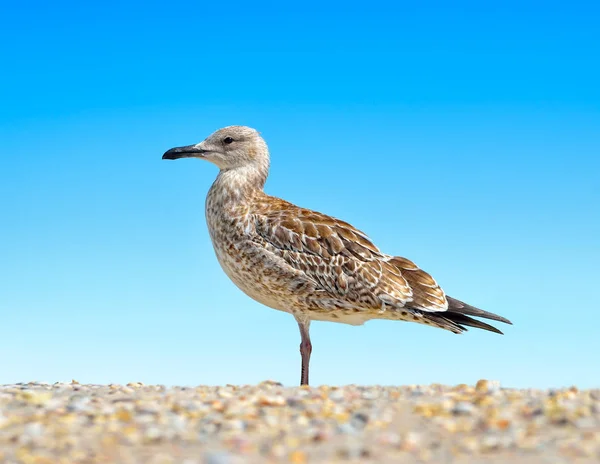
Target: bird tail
x,y
456,317
458,307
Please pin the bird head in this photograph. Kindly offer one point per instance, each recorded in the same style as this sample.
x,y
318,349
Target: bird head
x,y
228,148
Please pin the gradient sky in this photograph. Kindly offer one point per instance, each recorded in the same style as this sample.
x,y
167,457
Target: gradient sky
x,y
464,137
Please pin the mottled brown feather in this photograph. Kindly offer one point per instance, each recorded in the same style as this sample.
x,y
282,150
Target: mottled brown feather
x,y
427,294
333,254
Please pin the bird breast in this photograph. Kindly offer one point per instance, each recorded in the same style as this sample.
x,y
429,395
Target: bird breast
x,y
242,257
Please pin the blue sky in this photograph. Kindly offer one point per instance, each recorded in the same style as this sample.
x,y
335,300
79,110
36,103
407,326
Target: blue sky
x,y
464,137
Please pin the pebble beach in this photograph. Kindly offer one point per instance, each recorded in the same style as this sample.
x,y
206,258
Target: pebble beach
x,y
71,423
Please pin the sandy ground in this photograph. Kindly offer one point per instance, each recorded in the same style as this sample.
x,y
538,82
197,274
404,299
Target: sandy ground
x,y
72,423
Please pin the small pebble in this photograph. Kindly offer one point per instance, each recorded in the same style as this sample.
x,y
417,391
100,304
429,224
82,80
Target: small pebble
x,y
212,457
463,408
359,420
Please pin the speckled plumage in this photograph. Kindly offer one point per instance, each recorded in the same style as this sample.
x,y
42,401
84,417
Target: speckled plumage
x,y
307,263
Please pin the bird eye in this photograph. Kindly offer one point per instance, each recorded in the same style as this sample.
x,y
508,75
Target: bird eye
x,y
227,140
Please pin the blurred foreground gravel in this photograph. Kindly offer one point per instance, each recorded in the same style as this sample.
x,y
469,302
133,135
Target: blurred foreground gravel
x,y
72,423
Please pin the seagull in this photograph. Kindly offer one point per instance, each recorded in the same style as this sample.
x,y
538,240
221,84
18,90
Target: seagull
x,y
306,263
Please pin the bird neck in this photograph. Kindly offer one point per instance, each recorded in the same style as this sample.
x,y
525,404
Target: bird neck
x,y
236,185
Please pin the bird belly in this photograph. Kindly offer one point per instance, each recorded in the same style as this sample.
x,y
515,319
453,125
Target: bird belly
x,y
257,279
341,317
260,283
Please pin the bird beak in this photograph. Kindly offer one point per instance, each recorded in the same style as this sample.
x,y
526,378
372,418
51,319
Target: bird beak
x,y
190,151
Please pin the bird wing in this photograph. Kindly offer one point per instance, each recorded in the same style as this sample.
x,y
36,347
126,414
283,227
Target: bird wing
x,y
338,258
346,270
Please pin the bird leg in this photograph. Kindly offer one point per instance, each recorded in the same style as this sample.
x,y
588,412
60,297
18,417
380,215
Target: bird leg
x,y
305,349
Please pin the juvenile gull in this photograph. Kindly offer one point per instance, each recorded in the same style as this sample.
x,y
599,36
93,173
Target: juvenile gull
x,y
307,263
